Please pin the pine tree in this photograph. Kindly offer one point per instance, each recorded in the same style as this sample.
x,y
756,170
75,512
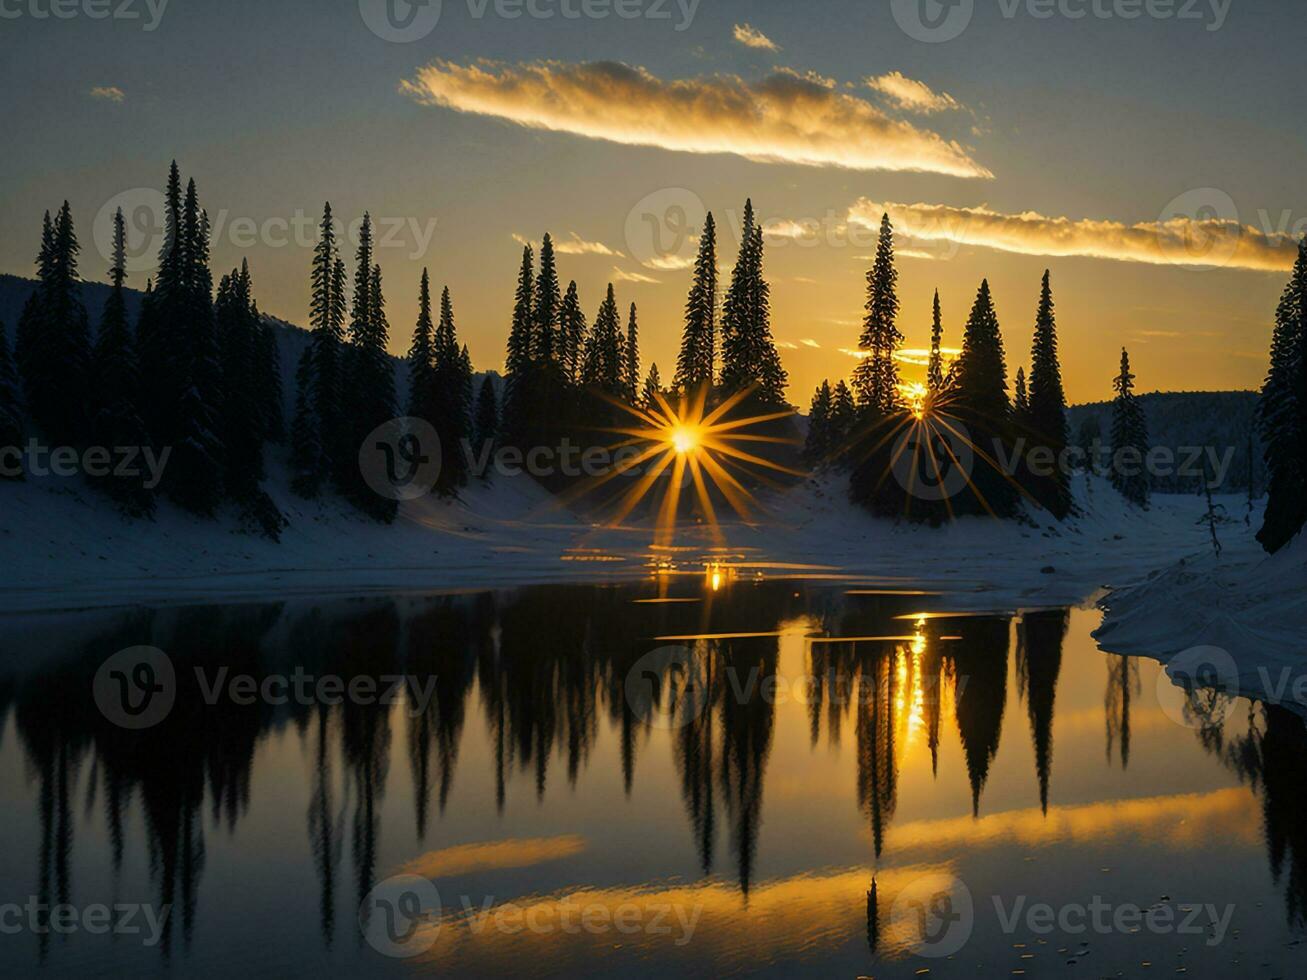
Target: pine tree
x,y
697,364
267,370
305,449
1129,439
369,377
631,359
572,327
487,421
749,355
984,408
653,386
54,348
244,411
452,404
1282,414
547,303
1046,416
327,312
1021,400
516,417
115,382
11,418
605,351
422,397
935,368
876,379
818,444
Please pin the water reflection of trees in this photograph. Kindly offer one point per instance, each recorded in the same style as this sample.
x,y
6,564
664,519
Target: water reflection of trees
x,y
1268,751
550,665
1122,688
1039,661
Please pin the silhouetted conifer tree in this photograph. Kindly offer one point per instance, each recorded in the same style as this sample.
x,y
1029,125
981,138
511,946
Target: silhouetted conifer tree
x,y
935,367
749,355
572,327
697,364
516,412
982,405
876,379
631,358
653,386
1046,418
1020,399
1282,414
605,351
1129,438
547,303
421,360
453,380
115,384
843,417
818,443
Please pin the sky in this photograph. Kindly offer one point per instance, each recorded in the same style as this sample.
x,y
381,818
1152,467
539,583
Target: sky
x,y
1144,151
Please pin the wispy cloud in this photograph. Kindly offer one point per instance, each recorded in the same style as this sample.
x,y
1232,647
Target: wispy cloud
x,y
809,342
787,345
911,95
751,37
108,93
621,275
573,245
1177,241
783,118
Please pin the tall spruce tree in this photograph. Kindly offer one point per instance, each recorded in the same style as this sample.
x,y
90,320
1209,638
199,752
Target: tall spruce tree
x,y
548,300
244,410
935,367
305,448
1282,414
453,379
516,411
1046,417
876,379
572,328
749,355
11,415
115,383
54,342
631,358
843,417
984,408
1129,438
422,397
369,376
604,350
327,313
697,364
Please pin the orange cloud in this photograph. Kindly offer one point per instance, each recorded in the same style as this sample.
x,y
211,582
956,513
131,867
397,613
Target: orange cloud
x,y
783,118
1174,241
751,37
912,95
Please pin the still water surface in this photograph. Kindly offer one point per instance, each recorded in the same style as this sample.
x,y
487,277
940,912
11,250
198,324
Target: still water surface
x,y
682,777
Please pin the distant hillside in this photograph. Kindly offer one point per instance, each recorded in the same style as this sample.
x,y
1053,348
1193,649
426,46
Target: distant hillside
x,y
1224,419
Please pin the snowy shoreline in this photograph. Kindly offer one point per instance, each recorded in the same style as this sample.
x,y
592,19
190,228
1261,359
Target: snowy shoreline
x,y
63,547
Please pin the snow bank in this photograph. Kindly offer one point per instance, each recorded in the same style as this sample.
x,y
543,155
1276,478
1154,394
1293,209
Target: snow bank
x,y
62,546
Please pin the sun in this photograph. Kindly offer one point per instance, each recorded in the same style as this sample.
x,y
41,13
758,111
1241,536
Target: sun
x,y
696,447
684,439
